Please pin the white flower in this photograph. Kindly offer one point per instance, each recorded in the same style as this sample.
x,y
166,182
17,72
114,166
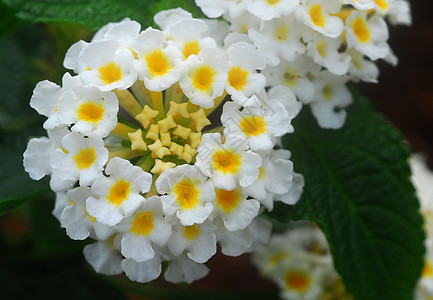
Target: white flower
x,y
234,209
325,52
46,97
183,269
243,23
229,162
295,75
89,110
258,124
106,65
362,69
317,14
205,78
142,229
198,240
83,159
78,223
189,195
167,18
142,271
267,10
331,93
234,243
103,257
367,35
123,32
118,195
276,176
216,8
286,97
278,38
188,37
159,67
243,79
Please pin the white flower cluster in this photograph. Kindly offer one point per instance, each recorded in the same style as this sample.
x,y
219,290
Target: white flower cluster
x,y
135,161
300,262
314,47
422,178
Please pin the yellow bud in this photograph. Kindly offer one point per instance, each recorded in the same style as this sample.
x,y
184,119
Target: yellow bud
x,y
182,132
137,142
161,166
176,149
158,150
178,110
200,120
146,116
153,132
165,139
166,124
194,139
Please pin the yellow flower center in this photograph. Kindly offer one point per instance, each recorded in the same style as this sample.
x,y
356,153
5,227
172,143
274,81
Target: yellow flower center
x,y
191,232
228,201
327,92
316,15
90,112
383,4
361,30
253,125
321,48
85,158
203,78
119,192
298,281
158,63
142,224
226,161
187,194
427,271
110,73
272,2
289,78
189,48
281,33
237,78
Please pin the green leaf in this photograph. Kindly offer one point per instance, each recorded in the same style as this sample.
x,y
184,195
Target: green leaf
x,y
358,189
93,13
8,21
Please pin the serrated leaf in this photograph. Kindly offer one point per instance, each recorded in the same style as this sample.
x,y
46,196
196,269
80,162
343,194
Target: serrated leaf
x,y
92,13
357,188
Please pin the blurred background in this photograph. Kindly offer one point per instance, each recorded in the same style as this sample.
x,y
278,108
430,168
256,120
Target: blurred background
x,y
38,260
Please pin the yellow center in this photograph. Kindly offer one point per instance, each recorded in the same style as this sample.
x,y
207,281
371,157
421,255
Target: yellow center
x,y
277,258
321,48
158,63
361,30
228,200
110,73
262,173
189,48
142,224
327,92
237,78
317,16
289,78
253,125
281,33
187,195
383,4
297,280
191,232
226,161
85,158
427,271
90,112
203,78
272,2
119,192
